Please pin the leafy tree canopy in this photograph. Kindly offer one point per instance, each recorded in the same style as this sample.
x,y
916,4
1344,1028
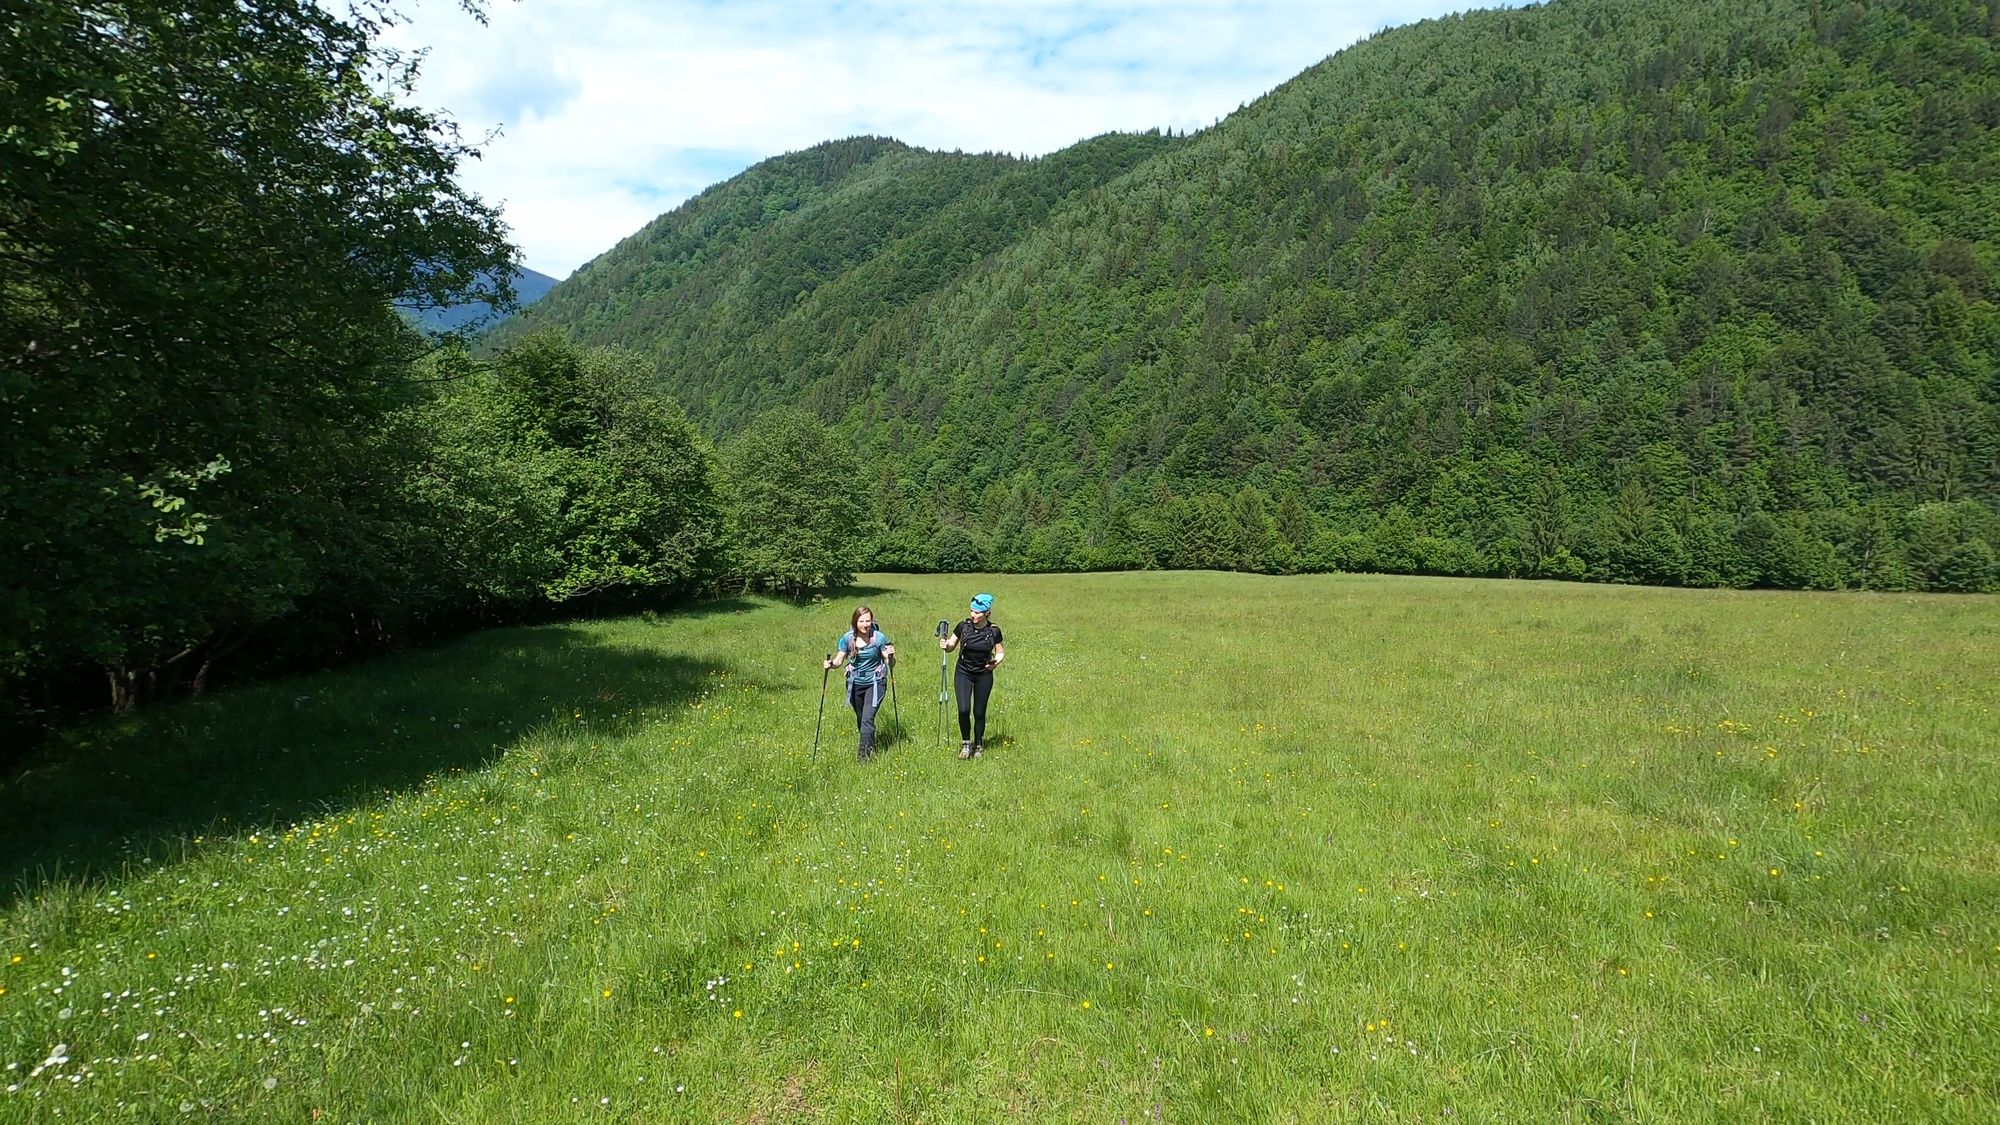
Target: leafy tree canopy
x,y
796,503
206,210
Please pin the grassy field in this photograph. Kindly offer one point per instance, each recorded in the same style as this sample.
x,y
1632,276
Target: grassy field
x,y
1326,848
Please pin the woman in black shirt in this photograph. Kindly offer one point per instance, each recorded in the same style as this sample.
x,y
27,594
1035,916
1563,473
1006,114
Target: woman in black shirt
x,y
978,643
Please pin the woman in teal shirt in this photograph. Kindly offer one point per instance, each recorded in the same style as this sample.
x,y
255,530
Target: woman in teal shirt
x,y
867,653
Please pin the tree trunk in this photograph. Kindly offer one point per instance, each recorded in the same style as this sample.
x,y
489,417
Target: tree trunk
x,y
222,647
123,694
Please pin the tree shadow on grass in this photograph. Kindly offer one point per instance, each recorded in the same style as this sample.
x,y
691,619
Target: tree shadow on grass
x,y
714,607
609,607
842,594
119,794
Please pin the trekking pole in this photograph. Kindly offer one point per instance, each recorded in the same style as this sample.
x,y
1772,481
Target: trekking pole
x,y
943,631
894,704
825,669
992,703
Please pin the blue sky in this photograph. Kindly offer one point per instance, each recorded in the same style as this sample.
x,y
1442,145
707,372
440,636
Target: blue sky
x,y
611,112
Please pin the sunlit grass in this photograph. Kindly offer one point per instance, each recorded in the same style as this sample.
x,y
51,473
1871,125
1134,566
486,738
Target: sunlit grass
x,y
1241,848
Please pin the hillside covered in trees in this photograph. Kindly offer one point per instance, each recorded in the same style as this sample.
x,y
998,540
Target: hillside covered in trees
x,y
1692,292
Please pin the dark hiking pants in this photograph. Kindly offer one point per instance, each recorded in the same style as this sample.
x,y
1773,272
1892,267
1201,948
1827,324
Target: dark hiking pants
x,y
974,689
865,697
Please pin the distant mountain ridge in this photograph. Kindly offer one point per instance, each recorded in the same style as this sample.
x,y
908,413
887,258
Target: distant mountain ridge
x,y
529,286
1697,292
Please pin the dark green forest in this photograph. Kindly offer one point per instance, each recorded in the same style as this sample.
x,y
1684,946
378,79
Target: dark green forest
x,y
225,446
1688,293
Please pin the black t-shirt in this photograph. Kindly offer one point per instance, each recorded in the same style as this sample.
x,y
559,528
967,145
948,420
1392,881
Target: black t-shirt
x,y
975,644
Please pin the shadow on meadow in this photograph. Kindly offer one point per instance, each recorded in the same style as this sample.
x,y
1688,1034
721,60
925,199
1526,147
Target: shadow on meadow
x,y
116,795
841,594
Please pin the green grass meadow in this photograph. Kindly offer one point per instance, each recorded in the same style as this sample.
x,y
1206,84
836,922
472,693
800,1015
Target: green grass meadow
x,y
1247,849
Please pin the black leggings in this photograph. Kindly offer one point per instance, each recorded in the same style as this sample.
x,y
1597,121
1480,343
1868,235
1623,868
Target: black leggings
x,y
974,689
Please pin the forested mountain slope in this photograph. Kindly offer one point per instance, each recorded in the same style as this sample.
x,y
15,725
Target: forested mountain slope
x,y
751,292
1690,292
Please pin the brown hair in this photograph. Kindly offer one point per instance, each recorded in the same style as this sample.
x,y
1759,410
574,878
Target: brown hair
x,y
854,621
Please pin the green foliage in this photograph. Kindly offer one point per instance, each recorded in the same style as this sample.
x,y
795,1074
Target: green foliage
x,y
958,550
206,211
558,473
1693,293
1950,546
1058,546
797,502
217,418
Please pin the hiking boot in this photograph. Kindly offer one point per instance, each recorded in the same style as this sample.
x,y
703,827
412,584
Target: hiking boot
x,y
978,748
965,751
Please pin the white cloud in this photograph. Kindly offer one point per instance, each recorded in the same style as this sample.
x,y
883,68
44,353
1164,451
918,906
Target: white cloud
x,y
614,111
